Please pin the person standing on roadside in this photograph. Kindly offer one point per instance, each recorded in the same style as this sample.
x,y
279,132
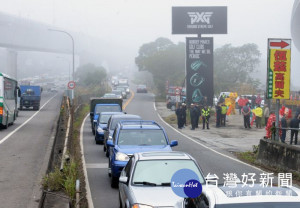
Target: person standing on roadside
x,y
266,114
198,113
218,115
258,116
179,114
205,116
223,114
193,115
283,126
184,114
240,104
294,132
246,113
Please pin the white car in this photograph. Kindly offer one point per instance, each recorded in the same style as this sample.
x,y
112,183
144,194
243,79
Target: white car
x,y
244,197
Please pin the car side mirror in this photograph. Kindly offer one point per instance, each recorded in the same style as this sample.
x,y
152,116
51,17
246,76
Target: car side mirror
x,y
91,113
110,143
123,179
174,143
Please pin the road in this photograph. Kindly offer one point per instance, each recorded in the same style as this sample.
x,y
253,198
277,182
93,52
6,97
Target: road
x,y
214,161
22,152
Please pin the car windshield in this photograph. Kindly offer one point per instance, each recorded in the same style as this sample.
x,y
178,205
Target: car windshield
x,y
262,205
142,86
142,137
160,172
105,118
115,121
107,108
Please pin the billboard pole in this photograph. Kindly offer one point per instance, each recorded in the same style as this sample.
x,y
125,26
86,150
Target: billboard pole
x,y
277,119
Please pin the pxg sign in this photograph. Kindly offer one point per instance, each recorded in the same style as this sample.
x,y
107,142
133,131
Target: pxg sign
x,y
199,20
199,70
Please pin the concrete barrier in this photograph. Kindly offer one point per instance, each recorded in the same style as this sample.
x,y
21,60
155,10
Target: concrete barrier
x,y
279,155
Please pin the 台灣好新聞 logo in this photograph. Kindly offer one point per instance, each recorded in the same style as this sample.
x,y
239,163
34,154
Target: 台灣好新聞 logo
x,y
197,17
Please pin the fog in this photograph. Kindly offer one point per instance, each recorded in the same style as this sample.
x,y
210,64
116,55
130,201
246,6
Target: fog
x,y
115,29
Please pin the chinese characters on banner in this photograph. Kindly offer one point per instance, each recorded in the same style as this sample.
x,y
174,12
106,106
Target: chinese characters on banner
x,y
279,67
236,186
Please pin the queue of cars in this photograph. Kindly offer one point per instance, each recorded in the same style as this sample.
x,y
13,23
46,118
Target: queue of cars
x,y
141,163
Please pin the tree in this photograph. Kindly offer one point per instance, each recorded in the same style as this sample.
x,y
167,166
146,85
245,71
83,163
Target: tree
x,y
164,60
90,75
234,65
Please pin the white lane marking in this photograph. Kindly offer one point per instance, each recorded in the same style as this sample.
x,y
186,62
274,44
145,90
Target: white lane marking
x,y
97,165
14,131
87,184
204,145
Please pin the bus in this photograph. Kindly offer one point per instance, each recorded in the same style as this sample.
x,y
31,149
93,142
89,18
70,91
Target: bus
x,y
9,93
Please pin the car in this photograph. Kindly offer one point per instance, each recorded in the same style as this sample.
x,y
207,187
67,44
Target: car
x,y
123,91
118,93
111,125
130,137
226,197
110,95
146,179
141,89
101,125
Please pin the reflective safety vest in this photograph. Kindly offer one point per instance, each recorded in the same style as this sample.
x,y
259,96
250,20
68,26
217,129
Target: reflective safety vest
x,y
224,109
205,112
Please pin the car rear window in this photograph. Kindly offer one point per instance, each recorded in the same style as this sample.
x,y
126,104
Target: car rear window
x,y
142,137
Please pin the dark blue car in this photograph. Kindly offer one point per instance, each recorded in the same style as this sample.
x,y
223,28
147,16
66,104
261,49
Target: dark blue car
x,y
101,125
134,136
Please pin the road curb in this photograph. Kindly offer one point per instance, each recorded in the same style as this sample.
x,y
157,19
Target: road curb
x,y
37,196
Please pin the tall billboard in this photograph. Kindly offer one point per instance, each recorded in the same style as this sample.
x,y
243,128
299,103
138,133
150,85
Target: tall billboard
x,y
279,68
199,20
199,70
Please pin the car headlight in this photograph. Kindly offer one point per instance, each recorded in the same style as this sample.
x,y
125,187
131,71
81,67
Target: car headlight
x,y
122,157
100,130
110,137
127,90
141,206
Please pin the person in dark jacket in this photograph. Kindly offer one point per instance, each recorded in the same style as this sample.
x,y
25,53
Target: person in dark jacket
x,y
193,114
218,115
294,132
283,131
198,111
246,113
184,114
179,114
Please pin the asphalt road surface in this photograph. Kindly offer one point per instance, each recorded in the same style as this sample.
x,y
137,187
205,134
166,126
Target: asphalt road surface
x,y
212,161
22,151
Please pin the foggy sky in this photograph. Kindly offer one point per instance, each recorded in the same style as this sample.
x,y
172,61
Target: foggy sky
x,y
134,22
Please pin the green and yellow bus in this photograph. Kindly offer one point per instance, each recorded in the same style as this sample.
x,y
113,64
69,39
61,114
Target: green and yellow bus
x,y
8,100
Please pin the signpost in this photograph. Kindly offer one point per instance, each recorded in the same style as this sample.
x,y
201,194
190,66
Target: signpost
x,y
199,51
278,74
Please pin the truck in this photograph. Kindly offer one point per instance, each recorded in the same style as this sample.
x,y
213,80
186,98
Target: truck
x,y
98,105
30,97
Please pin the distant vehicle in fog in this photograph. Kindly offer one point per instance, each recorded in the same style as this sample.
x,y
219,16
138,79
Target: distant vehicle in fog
x,y
141,89
30,97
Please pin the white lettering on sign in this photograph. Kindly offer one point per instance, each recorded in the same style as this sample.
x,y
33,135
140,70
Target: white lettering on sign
x,y
197,17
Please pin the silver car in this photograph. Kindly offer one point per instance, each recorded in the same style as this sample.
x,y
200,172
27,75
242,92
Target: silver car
x,y
244,197
145,182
